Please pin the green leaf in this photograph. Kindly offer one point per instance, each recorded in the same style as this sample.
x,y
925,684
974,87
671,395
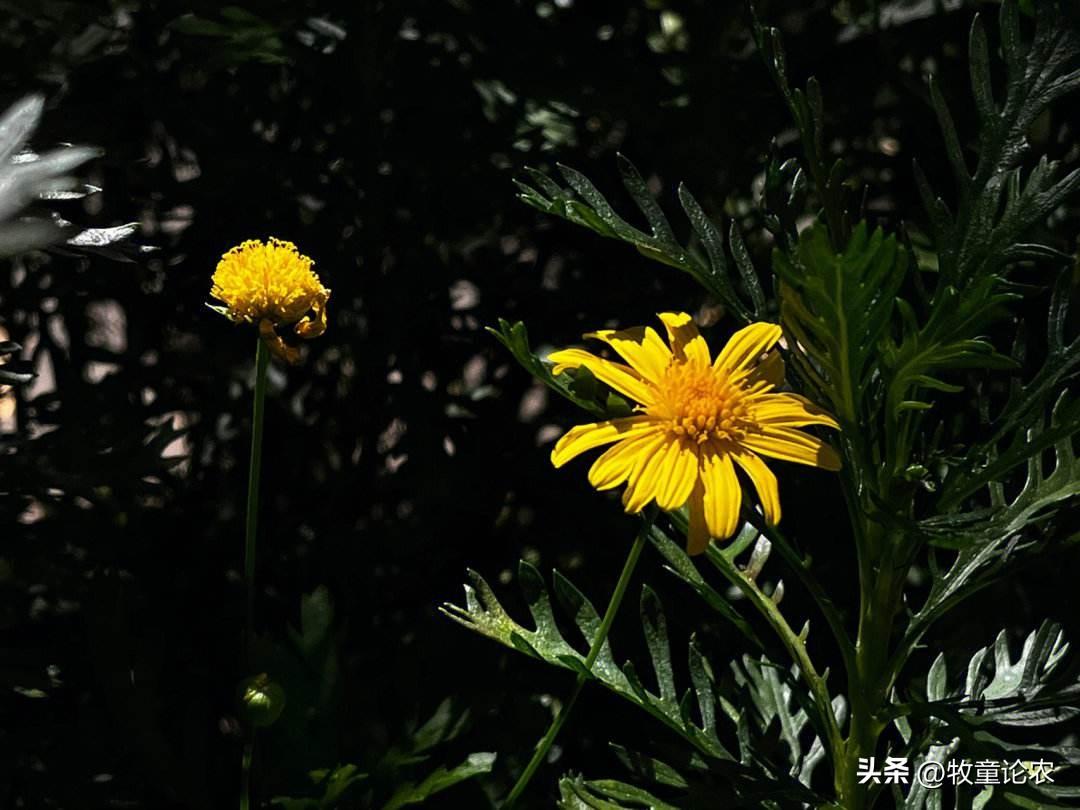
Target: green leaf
x,y
338,781
1020,434
996,206
316,623
649,768
606,794
746,269
682,566
583,204
439,780
713,241
837,307
773,699
997,691
334,783
979,65
444,725
516,338
655,626
953,149
483,614
634,184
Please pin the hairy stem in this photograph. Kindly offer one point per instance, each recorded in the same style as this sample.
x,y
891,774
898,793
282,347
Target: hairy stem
x,y
557,723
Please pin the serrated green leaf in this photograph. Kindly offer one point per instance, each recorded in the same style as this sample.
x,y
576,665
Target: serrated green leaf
x,y
483,614
439,780
515,338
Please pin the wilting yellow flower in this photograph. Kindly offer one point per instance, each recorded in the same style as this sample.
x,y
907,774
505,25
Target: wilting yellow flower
x,y
696,420
273,285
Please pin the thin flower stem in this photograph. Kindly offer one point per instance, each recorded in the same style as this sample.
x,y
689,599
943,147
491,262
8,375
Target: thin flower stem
x,y
557,723
792,641
245,774
545,744
800,565
251,522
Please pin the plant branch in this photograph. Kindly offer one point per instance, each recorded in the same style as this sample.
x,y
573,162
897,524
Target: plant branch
x,y
557,723
794,643
801,566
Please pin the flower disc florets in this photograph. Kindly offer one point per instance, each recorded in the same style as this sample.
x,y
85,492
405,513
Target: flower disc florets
x,y
271,284
697,420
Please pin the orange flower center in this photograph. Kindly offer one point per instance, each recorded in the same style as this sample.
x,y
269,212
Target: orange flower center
x,y
699,402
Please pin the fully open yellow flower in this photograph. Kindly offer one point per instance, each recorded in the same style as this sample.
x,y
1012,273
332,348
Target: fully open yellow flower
x,y
273,285
696,420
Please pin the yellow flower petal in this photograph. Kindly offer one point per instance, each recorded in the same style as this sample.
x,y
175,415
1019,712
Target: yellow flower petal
x,y
746,346
764,483
273,282
789,444
788,410
678,475
722,494
314,325
614,465
686,342
697,535
641,347
622,378
645,477
697,421
585,437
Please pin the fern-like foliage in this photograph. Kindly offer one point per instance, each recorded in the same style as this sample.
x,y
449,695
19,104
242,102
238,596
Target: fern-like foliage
x,y
807,108
754,735
1021,432
607,794
483,614
996,203
896,351
836,308
580,202
999,524
401,773
996,693
581,388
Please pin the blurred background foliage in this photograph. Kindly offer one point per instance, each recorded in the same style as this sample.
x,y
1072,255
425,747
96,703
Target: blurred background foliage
x,y
382,138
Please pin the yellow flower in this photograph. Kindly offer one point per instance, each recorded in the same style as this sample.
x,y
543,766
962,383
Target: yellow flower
x,y
273,285
696,420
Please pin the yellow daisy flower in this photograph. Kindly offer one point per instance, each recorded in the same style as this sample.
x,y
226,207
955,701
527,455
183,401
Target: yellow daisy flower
x,y
273,285
696,420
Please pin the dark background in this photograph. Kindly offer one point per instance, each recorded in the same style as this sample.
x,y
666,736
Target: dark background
x,y
381,138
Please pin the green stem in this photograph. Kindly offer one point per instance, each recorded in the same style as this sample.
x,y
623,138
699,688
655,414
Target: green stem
x,y
793,642
251,521
801,566
557,723
245,774
881,596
